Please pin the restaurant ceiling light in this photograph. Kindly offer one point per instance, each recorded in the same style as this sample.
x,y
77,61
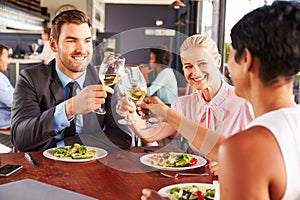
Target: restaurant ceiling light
x,y
159,22
177,4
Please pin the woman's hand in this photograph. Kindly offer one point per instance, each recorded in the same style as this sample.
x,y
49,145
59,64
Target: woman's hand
x,y
124,105
156,106
154,100
213,166
148,194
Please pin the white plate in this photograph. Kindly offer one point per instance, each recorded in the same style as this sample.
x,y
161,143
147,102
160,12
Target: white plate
x,y
164,191
100,153
145,160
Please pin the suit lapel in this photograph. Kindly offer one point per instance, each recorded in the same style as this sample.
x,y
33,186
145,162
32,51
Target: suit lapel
x,y
91,76
90,120
56,86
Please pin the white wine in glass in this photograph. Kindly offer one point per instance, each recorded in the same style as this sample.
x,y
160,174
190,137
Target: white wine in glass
x,y
110,72
109,79
136,93
134,86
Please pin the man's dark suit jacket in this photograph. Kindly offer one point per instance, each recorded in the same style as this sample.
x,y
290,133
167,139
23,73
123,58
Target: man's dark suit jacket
x,y
37,92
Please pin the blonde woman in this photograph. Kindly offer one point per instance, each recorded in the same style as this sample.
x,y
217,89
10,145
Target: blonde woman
x,y
213,105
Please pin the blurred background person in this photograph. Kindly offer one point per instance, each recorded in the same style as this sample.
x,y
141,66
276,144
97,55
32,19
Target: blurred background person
x,y
105,54
47,54
160,76
6,89
108,51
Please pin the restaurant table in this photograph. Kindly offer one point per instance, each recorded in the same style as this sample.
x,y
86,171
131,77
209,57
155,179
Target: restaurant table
x,y
119,175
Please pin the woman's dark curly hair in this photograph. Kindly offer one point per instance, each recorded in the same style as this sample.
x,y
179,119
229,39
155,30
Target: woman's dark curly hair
x,y
163,55
272,34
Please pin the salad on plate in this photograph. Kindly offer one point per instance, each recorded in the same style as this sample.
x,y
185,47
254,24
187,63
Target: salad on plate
x,y
173,160
190,191
76,151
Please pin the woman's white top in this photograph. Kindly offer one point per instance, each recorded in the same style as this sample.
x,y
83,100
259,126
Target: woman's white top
x,y
285,126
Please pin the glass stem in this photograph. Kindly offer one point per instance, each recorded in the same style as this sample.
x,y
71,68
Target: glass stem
x,y
127,117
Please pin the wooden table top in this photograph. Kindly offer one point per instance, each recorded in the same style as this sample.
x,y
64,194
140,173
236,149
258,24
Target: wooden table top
x,y
119,175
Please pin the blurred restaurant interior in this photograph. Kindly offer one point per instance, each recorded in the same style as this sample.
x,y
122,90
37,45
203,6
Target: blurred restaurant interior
x,y
152,22
129,26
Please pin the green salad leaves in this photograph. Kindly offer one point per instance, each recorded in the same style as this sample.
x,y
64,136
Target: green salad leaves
x,y
76,151
180,160
192,192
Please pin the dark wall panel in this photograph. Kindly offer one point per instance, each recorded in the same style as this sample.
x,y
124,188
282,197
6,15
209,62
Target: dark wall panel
x,y
130,21
19,40
122,17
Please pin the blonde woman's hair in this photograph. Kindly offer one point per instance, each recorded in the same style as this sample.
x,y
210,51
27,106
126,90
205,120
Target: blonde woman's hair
x,y
203,42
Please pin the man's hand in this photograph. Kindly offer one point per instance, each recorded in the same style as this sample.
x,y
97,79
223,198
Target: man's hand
x,y
88,99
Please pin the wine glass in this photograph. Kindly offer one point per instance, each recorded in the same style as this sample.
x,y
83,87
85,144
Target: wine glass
x,y
151,121
134,86
110,72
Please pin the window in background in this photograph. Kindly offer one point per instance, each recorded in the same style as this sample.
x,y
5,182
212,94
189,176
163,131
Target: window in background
x,y
233,15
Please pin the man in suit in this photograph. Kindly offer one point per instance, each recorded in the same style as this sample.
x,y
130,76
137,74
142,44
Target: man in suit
x,y
43,113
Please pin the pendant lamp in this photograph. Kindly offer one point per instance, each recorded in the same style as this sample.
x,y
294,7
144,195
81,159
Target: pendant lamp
x,y
177,3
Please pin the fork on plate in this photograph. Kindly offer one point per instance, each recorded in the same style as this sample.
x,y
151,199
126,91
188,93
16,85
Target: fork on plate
x,y
182,174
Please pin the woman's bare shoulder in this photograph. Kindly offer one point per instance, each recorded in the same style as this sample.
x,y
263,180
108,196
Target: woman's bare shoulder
x,y
250,142
255,154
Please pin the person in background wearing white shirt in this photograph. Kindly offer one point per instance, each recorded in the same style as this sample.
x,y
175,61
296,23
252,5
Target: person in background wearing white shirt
x,y
47,54
6,89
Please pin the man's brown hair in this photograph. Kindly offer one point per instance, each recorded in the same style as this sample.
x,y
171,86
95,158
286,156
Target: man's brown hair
x,y
69,16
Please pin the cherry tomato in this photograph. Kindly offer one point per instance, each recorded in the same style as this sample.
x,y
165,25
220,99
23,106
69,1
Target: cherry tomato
x,y
193,162
200,195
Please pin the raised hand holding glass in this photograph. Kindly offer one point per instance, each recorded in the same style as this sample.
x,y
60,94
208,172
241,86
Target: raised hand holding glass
x,y
110,72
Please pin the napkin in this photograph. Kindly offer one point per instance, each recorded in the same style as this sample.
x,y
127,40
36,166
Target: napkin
x,y
29,189
217,188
